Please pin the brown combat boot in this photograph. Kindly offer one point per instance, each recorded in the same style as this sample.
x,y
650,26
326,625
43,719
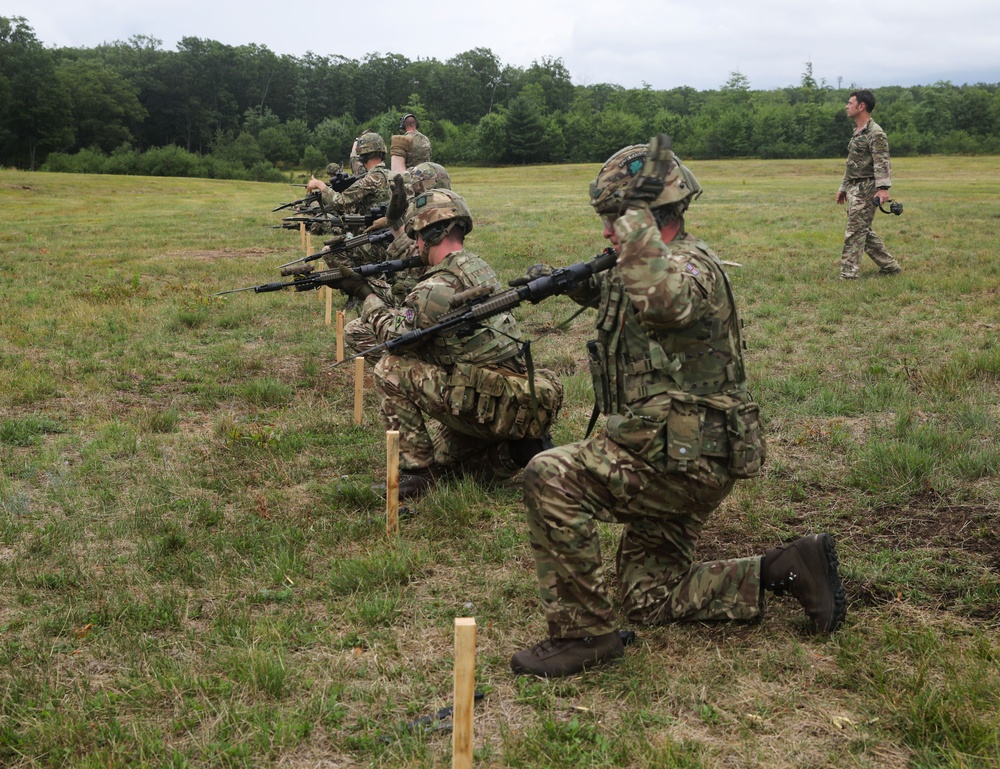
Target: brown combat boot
x,y
807,568
416,482
557,657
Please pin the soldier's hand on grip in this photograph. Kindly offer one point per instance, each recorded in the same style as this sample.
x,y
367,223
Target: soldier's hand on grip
x,y
353,284
534,272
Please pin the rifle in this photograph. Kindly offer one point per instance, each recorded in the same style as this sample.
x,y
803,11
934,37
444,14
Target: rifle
x,y
477,304
369,238
340,181
331,278
308,200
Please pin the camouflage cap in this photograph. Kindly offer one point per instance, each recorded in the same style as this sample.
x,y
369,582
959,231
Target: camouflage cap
x,y
370,142
434,207
607,191
428,176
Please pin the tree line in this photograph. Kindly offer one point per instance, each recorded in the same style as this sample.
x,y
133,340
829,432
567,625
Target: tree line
x,y
215,110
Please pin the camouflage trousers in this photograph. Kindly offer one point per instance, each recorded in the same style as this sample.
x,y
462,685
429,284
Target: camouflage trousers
x,y
417,401
859,238
569,488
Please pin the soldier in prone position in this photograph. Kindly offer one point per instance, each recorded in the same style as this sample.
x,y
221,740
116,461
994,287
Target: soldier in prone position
x,y
668,373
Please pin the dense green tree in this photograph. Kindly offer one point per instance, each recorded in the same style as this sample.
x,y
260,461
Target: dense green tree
x,y
36,113
253,108
525,132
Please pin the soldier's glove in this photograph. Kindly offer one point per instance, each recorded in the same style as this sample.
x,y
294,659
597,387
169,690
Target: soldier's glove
x,y
534,272
378,224
396,210
353,284
400,144
647,185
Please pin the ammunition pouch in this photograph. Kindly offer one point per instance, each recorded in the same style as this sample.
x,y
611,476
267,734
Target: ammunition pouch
x,y
502,400
747,449
400,144
691,431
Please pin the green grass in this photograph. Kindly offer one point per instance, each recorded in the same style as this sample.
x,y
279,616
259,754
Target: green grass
x,y
194,565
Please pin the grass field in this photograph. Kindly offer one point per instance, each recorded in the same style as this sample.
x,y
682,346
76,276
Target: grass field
x,y
194,571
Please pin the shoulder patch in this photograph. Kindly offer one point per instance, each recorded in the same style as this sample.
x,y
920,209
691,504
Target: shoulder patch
x,y
692,269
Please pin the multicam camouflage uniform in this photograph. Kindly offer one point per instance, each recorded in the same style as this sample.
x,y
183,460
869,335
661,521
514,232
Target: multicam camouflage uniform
x,y
868,168
413,146
372,189
452,397
668,370
359,337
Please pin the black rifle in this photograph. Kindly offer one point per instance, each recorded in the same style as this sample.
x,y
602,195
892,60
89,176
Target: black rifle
x,y
308,200
332,277
369,238
477,304
359,220
340,181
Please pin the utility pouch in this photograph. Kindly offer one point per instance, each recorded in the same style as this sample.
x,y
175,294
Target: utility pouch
x,y
684,425
747,449
518,415
462,389
597,358
643,437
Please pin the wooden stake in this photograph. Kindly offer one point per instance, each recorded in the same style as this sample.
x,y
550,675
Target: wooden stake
x,y
329,303
302,236
309,242
392,483
465,692
359,388
340,335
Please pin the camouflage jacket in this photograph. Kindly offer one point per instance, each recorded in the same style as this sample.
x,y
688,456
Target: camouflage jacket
x,y
372,189
414,147
668,329
430,299
868,156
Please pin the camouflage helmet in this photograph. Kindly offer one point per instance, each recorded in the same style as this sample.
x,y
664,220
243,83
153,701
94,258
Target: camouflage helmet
x,y
437,206
402,121
608,189
428,176
333,169
370,142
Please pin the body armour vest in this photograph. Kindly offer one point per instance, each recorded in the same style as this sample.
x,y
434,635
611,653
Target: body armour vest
x,y
494,342
699,364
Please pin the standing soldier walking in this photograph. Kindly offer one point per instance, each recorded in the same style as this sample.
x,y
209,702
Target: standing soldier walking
x,y
868,176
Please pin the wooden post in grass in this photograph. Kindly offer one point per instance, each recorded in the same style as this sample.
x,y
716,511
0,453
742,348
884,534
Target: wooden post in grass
x,y
328,296
309,242
340,335
465,692
302,236
359,388
391,482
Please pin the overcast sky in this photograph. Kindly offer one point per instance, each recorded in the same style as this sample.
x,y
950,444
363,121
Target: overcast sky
x,y
665,43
